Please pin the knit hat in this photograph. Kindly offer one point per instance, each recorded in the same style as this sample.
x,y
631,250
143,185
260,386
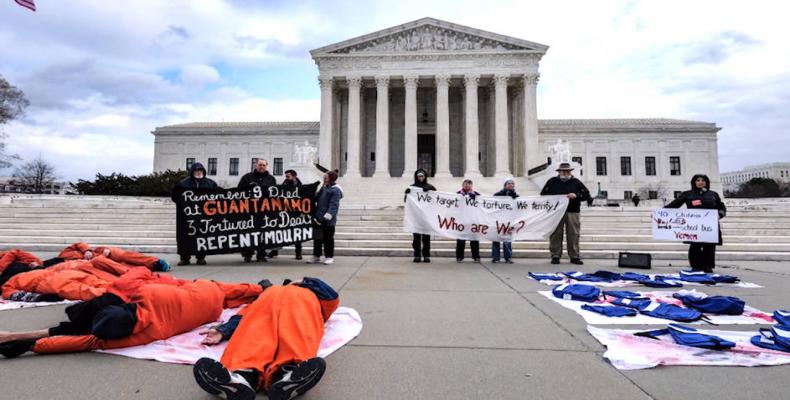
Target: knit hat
x,y
509,179
332,176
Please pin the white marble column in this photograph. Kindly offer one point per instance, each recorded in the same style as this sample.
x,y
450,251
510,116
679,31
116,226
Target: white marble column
x,y
410,129
532,151
442,127
325,132
382,127
472,128
353,147
502,151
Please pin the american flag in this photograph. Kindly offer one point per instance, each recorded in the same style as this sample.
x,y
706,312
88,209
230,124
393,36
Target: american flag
x,y
29,4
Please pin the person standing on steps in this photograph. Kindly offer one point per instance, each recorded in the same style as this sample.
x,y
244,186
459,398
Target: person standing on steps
x,y
196,180
258,177
509,190
566,184
325,218
702,256
421,243
467,191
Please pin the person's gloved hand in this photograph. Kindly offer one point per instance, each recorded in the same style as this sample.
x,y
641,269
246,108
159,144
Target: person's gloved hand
x,y
722,213
328,216
408,190
425,189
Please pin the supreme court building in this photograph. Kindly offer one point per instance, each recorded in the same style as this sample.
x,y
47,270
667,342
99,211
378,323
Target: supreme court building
x,y
457,102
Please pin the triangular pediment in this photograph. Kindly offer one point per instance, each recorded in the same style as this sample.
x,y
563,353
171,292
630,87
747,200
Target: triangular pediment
x,y
429,35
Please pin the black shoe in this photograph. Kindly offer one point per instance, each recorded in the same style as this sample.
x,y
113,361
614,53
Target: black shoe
x,y
495,260
426,259
298,257
459,260
201,261
184,261
555,260
577,261
274,253
265,284
417,259
16,348
707,270
297,379
247,259
262,259
217,380
509,261
477,259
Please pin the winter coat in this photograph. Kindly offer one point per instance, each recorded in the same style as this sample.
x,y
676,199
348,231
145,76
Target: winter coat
x,y
556,186
328,202
471,194
505,192
255,178
424,184
705,199
191,183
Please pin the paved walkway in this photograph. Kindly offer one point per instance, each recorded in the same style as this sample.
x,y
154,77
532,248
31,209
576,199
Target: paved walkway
x,y
440,330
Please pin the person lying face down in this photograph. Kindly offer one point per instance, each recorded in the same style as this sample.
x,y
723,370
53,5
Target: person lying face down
x,y
83,251
157,311
17,256
273,344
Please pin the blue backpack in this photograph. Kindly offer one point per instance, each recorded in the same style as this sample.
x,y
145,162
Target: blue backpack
x,y
725,305
542,277
776,338
697,277
658,282
598,276
637,303
670,311
610,311
576,292
782,317
688,336
719,278
622,294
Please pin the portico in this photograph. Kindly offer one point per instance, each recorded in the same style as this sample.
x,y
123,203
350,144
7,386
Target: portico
x,y
456,101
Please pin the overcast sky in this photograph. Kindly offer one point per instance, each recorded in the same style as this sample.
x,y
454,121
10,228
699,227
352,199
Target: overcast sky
x,y
101,75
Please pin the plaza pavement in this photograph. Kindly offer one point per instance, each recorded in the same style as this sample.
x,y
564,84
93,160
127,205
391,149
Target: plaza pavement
x,y
431,331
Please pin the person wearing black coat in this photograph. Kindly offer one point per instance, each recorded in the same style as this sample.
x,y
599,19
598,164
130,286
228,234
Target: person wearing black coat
x,y
702,256
290,183
509,190
258,177
467,191
196,180
566,184
421,243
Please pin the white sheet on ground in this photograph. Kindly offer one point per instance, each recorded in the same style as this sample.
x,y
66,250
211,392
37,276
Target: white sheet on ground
x,y
622,284
626,351
343,326
750,315
14,305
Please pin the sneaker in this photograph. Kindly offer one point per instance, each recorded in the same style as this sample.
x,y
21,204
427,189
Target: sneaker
x,y
184,261
274,253
477,260
555,260
315,260
201,261
426,259
217,380
577,261
508,261
329,261
261,259
297,379
247,259
495,260
417,259
298,257
16,348
460,260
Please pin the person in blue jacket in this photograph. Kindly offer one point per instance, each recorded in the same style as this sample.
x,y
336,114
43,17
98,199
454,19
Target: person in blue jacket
x,y
508,189
702,256
325,218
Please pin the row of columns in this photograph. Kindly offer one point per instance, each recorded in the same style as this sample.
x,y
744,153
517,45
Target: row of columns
x,y
471,82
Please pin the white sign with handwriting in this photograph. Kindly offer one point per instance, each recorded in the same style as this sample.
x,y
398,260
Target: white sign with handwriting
x,y
686,225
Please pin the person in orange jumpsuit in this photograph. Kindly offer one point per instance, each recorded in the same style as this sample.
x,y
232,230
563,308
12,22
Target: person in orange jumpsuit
x,y
83,251
16,256
155,312
70,280
273,344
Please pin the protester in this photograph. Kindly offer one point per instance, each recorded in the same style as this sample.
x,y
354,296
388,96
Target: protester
x,y
290,184
325,218
83,251
196,180
421,243
636,199
509,190
258,177
565,183
17,256
273,344
467,191
702,256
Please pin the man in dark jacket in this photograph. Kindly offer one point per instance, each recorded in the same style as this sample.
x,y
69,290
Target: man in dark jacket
x,y
196,180
565,183
259,177
702,256
290,183
509,190
421,243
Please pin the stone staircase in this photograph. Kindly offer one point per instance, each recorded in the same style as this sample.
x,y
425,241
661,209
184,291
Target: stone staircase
x,y
49,223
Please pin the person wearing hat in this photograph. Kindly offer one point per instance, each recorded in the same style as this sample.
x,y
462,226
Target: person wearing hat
x,y
196,180
508,189
565,183
327,206
420,243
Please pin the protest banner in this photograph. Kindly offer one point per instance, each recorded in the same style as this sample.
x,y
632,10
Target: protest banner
x,y
685,225
483,218
217,221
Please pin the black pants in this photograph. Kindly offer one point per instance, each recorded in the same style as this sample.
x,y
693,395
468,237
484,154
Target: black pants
x,y
298,248
249,253
702,256
187,257
324,242
81,315
460,246
421,242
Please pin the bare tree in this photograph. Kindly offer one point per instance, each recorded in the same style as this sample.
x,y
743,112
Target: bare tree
x,y
36,175
12,105
658,191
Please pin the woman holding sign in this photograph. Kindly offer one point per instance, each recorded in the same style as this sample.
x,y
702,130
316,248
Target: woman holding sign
x,y
702,256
